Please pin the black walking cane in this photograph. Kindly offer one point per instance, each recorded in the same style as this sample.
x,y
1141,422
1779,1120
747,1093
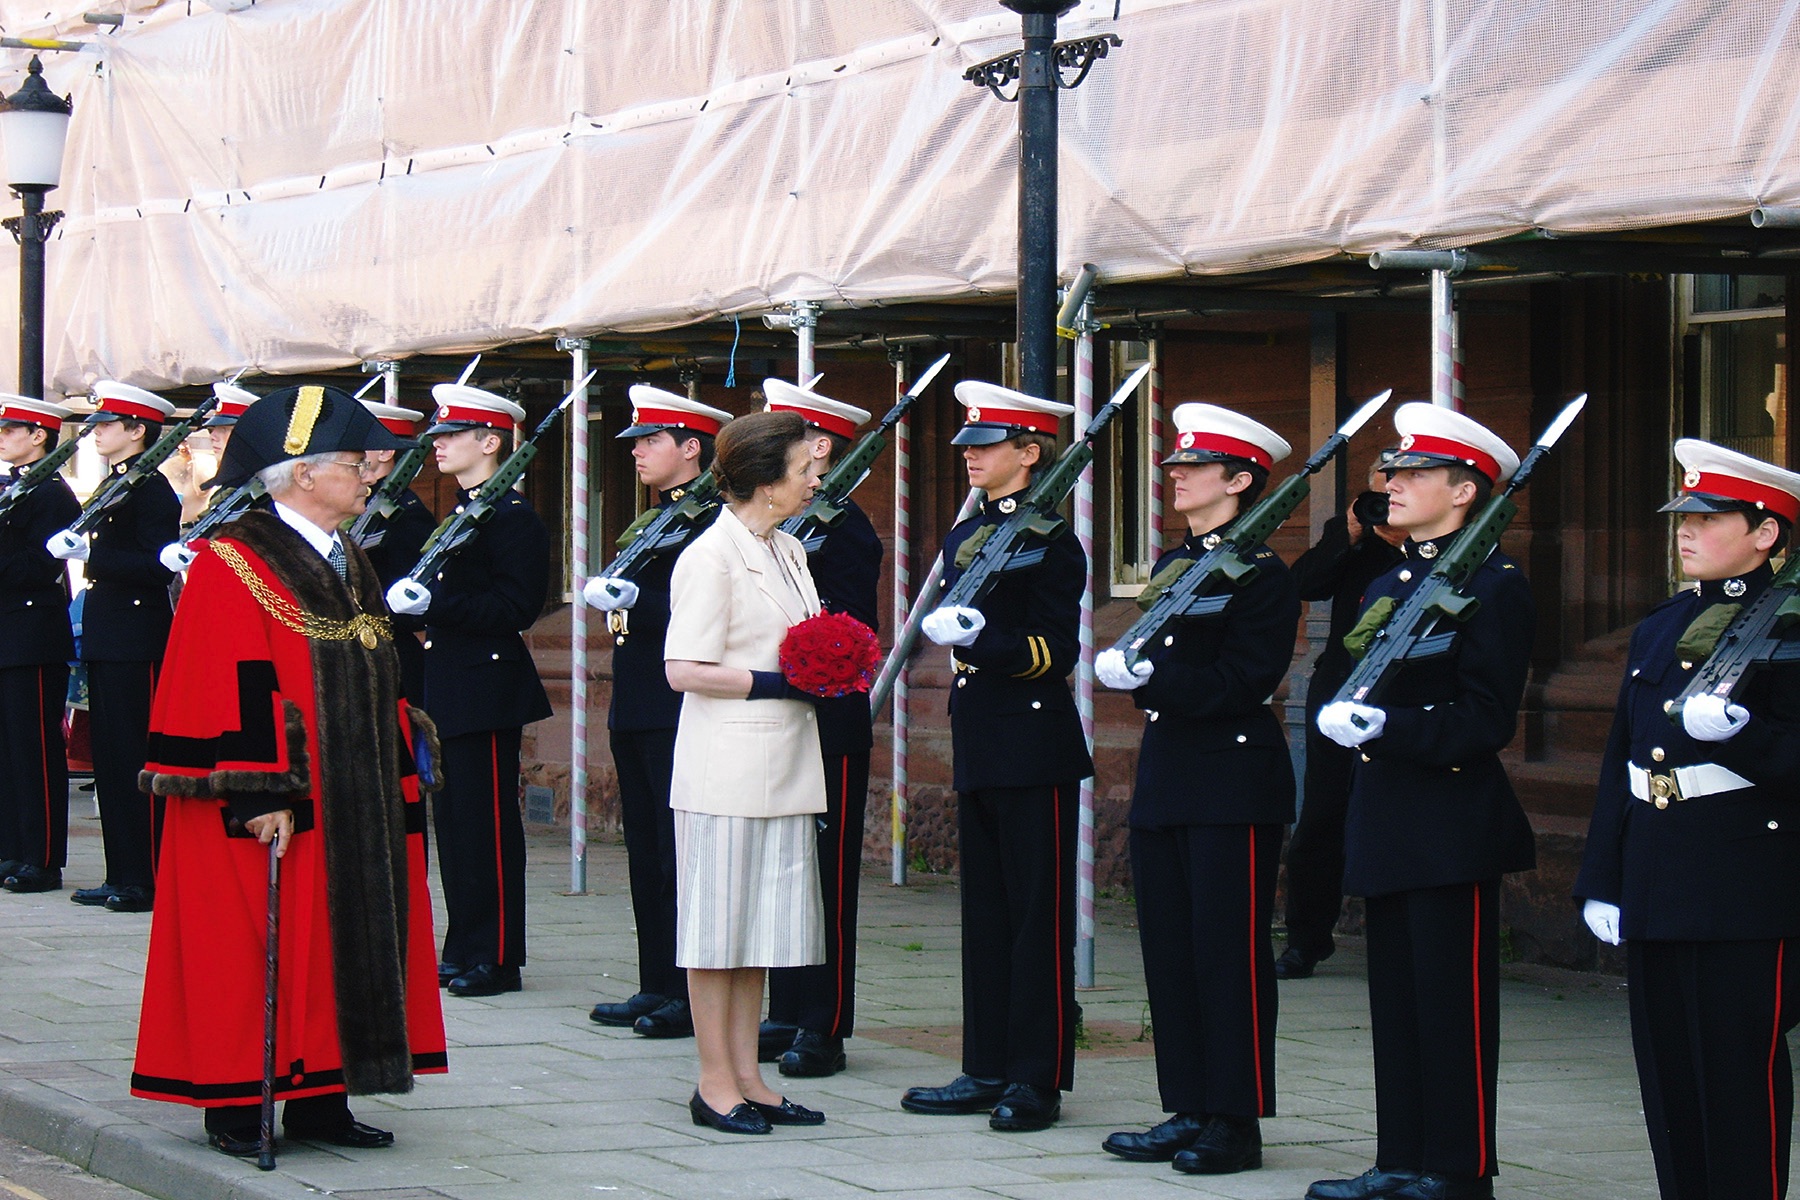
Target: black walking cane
x,y
265,1157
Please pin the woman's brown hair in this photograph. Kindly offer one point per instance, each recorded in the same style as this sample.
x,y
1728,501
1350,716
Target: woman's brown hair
x,y
752,452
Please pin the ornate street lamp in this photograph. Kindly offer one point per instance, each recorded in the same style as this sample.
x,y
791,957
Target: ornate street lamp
x,y
34,124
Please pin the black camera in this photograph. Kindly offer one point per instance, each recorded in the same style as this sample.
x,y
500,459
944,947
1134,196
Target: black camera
x,y
1371,508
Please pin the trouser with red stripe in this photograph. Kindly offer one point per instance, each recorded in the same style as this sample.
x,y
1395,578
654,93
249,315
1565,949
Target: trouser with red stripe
x,y
481,849
823,998
119,718
34,766
645,761
1018,935
1434,959
1205,900
1709,1023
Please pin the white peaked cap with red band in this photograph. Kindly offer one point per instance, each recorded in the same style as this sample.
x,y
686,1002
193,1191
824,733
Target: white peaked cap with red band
x,y
114,401
833,416
460,406
233,400
403,421
993,414
26,411
1434,436
653,410
1715,479
1207,433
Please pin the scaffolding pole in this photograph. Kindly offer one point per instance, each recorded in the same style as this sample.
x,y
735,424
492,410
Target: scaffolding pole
x,y
902,590
1446,344
1155,427
577,349
1084,670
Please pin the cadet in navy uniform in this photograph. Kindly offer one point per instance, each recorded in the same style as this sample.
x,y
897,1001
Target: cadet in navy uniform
x,y
125,626
395,543
671,444
34,656
813,1009
1433,824
1691,857
233,400
1203,857
482,688
1019,758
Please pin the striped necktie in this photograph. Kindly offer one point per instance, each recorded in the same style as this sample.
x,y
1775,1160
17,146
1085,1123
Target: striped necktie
x,y
337,560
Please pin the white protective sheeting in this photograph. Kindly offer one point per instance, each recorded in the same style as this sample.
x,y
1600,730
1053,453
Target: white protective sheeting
x,y
304,183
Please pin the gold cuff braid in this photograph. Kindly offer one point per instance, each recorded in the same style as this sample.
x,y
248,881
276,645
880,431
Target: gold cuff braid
x,y
367,629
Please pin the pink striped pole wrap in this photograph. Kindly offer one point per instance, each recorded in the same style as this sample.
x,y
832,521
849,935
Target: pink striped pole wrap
x,y
1446,344
1155,426
902,590
1084,671
578,631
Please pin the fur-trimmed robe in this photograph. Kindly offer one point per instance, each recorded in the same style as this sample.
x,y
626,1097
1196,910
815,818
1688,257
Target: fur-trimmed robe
x,y
250,718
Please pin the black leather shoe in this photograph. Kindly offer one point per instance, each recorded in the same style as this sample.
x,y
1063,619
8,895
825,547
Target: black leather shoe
x,y
449,971
813,1056
1430,1186
1226,1146
9,867
745,1118
774,1039
1296,963
237,1144
487,979
1373,1184
966,1094
1026,1107
673,1019
27,878
130,899
788,1113
621,1013
94,897
1159,1143
354,1136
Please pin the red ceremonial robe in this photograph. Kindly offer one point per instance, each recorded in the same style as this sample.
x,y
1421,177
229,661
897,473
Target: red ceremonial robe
x,y
252,716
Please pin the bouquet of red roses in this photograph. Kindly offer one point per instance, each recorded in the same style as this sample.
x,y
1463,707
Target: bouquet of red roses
x,y
832,654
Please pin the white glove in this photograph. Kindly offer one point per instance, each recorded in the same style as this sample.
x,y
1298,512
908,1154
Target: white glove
x,y
954,626
1603,919
1110,669
177,557
67,545
408,599
609,594
1349,724
1710,718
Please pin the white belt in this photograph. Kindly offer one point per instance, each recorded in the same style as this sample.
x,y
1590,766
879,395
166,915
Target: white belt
x,y
1683,783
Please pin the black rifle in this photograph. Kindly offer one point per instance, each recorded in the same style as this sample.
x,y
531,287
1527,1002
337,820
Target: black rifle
x,y
1425,624
384,500
228,507
1756,638
1020,541
459,527
117,487
657,533
41,471
1206,585
833,493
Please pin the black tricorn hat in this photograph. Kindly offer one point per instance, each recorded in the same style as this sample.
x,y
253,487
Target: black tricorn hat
x,y
295,422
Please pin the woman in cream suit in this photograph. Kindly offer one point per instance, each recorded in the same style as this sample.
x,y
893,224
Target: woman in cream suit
x,y
748,776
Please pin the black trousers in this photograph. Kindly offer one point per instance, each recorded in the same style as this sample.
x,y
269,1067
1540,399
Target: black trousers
x,y
34,766
1205,899
1709,1024
308,1112
1018,945
481,849
1315,854
823,998
1434,993
645,760
119,718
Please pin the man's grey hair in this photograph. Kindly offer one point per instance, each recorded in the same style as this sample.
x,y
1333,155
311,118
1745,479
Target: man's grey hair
x,y
280,477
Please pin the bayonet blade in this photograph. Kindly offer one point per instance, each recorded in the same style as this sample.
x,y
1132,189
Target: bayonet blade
x,y
924,380
467,371
364,389
1129,386
1361,417
1564,419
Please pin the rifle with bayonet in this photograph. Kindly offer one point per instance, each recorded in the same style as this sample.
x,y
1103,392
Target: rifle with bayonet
x,y
1206,584
661,531
1756,638
1022,539
1425,624
384,499
833,493
116,487
228,507
461,526
41,471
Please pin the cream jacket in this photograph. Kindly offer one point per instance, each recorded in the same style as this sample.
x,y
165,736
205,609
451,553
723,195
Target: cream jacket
x,y
731,604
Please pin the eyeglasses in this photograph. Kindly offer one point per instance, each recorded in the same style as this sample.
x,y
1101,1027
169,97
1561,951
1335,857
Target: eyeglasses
x,y
361,466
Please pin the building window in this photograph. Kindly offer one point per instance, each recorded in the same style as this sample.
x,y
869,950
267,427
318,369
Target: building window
x,y
1734,345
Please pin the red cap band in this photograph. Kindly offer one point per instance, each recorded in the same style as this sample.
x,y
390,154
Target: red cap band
x,y
825,421
1736,488
1218,443
475,416
1042,422
395,425
230,408
137,412
673,416
30,416
1419,443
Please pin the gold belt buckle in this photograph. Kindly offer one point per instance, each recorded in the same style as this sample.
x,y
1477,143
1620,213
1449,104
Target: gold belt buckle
x,y
1663,789
617,622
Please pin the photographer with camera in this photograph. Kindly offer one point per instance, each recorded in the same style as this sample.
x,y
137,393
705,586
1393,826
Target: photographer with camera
x,y
1352,551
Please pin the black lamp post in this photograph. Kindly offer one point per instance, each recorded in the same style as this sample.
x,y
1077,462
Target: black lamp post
x,y
34,124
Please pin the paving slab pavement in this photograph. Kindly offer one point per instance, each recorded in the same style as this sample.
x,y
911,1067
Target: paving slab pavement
x,y
540,1102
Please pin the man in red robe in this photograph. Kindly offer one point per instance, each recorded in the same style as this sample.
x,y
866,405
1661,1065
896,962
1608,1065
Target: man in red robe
x,y
279,718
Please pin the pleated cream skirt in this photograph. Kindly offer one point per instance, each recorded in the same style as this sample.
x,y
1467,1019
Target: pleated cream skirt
x,y
747,892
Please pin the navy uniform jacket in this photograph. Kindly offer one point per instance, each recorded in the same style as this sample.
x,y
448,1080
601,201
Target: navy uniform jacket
x,y
1335,570
642,698
1214,752
127,612
1431,805
846,570
395,547
34,587
478,674
1710,868
1012,719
